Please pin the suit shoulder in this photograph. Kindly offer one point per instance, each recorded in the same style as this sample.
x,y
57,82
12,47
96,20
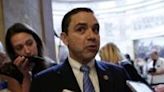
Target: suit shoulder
x,y
47,80
113,69
53,70
109,66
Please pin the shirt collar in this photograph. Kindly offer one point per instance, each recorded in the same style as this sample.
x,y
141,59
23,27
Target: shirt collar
x,y
76,65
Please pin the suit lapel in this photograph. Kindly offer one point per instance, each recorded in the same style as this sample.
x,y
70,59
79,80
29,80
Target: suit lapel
x,y
69,79
104,77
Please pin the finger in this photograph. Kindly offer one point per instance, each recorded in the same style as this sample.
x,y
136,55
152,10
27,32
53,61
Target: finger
x,y
19,60
25,63
16,60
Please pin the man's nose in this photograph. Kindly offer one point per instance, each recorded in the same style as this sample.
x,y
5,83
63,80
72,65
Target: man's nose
x,y
91,34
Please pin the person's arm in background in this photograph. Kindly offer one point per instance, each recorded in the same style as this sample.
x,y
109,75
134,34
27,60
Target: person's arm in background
x,y
13,85
159,88
133,73
159,71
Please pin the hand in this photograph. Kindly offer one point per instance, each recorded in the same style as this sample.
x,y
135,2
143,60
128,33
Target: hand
x,y
159,88
152,70
23,65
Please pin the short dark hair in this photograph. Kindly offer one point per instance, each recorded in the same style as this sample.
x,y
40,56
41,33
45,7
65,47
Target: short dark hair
x,y
18,28
67,17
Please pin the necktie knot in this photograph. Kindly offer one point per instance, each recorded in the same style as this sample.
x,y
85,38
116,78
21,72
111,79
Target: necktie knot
x,y
85,69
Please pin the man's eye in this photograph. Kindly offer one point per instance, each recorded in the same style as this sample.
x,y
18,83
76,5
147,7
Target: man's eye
x,y
81,29
96,28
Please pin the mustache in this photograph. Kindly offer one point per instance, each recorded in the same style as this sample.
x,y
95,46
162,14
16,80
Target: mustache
x,y
92,44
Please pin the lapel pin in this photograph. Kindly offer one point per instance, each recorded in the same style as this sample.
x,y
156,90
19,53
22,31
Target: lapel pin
x,y
105,77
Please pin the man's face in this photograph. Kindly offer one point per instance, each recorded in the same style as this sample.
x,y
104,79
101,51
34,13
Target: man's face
x,y
24,44
83,38
154,56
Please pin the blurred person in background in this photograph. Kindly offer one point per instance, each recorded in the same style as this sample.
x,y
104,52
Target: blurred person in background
x,y
25,49
154,68
110,53
12,84
3,56
139,64
160,87
127,56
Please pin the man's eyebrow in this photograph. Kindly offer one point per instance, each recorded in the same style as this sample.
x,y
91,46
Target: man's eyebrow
x,y
81,24
84,24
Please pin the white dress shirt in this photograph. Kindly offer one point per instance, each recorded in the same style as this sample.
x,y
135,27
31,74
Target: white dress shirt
x,y
79,75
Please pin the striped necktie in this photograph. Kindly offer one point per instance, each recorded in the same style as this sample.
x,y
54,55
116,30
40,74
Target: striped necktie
x,y
87,84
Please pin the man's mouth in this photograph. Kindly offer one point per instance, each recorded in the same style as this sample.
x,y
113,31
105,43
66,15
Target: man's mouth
x,y
92,47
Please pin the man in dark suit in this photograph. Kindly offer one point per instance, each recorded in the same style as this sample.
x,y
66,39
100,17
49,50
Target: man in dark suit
x,y
80,32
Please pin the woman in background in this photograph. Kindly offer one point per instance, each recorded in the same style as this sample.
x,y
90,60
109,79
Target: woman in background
x,y
21,43
111,53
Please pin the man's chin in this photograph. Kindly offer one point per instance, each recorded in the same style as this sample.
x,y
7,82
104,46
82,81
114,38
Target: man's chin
x,y
90,56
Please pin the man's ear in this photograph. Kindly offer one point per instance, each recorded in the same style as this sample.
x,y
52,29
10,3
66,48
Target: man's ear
x,y
63,37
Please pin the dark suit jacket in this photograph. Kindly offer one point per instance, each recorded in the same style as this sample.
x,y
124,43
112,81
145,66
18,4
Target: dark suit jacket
x,y
55,79
132,72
